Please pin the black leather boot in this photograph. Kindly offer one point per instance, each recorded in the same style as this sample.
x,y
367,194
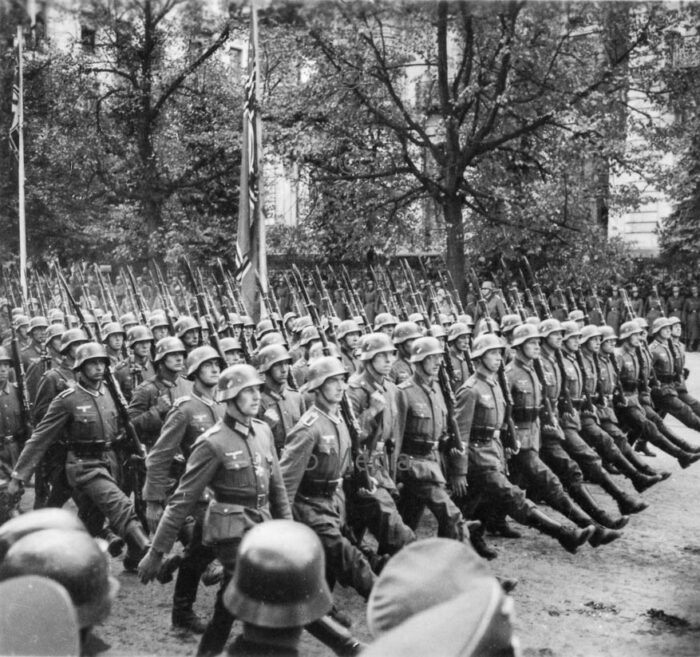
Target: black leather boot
x,y
570,538
582,496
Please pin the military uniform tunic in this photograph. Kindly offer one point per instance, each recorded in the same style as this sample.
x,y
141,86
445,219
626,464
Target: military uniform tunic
x,y
459,367
132,372
401,370
87,420
281,409
315,460
12,431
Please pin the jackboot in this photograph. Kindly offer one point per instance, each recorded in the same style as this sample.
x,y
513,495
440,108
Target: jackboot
x,y
501,527
603,536
625,502
137,544
476,538
642,447
582,496
676,439
115,544
570,538
600,536
642,482
686,459
334,635
188,620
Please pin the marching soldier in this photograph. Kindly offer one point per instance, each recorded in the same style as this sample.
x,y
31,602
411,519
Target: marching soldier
x,y
373,396
314,463
348,336
188,419
152,400
300,368
113,339
630,408
280,407
494,302
385,323
527,469
458,342
188,330
680,368
405,334
158,323
135,369
422,431
563,449
691,319
236,459
52,358
481,411
232,350
85,416
36,350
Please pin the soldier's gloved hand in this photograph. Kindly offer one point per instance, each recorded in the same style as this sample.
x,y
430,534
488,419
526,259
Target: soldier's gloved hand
x,y
149,566
569,417
163,405
15,488
154,512
377,402
458,484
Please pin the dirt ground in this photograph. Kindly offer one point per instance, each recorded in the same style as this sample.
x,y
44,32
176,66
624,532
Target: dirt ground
x,y
638,597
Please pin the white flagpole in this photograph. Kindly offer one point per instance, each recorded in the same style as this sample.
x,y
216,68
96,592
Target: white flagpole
x,y
20,172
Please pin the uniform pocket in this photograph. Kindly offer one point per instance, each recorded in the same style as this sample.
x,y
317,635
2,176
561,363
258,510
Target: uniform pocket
x,y
224,523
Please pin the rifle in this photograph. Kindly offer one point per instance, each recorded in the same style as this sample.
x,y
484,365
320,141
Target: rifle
x,y
511,441
353,293
133,446
203,310
362,477
378,288
402,311
20,379
293,292
346,299
455,291
325,297
247,356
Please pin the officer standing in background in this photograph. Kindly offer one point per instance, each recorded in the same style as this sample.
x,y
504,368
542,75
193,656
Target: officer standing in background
x,y
235,458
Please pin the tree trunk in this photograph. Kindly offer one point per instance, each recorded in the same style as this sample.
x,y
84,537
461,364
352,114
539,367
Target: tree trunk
x,y
452,210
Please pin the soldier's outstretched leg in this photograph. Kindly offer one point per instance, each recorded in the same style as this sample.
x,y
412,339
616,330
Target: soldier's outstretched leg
x,y
675,406
570,538
623,444
665,430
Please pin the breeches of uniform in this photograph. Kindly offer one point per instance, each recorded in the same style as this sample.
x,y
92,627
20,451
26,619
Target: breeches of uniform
x,y
617,434
344,562
98,495
416,495
529,472
555,456
641,427
196,559
585,456
377,512
599,440
675,406
688,399
491,488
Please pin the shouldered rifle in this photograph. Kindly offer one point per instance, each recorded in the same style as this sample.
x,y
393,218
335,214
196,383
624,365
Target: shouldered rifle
x,y
596,300
140,305
347,300
398,299
655,290
21,381
511,440
455,292
536,288
362,477
627,303
293,292
325,297
379,289
356,299
517,302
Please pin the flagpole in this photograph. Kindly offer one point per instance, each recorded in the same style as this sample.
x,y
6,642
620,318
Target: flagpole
x,y
20,171
262,250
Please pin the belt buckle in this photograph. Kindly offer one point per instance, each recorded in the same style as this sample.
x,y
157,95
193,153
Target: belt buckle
x,y
260,501
496,434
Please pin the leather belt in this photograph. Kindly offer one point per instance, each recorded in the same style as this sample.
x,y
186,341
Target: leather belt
x,y
314,487
250,501
484,435
666,378
526,414
418,447
87,449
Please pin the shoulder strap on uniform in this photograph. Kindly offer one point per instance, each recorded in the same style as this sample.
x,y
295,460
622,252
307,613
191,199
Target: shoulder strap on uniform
x,y
309,417
405,384
66,393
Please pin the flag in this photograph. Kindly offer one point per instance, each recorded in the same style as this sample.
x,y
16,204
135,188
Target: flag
x,y
249,204
14,124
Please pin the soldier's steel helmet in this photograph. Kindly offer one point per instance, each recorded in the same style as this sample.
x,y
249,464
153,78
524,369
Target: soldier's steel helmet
x,y
34,521
73,559
630,328
230,344
346,327
588,332
549,326
375,343
198,356
576,316
138,334
270,338
458,330
607,333
71,337
324,368
404,331
308,334
271,355
90,351
264,327
280,578
168,345
486,342
112,328
523,333
660,323
509,322
571,329
384,319
5,355
55,331
186,323
487,325
38,322
424,347
234,379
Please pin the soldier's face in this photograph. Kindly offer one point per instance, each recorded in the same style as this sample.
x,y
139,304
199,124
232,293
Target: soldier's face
x,y
93,370
593,344
607,346
462,343
665,333
676,330
431,364
55,343
486,292
116,341
635,339
234,357
572,343
492,360
351,340
555,339
39,335
248,401
208,373
382,363
333,388
142,349
279,372
4,371
388,329
190,338
174,362
160,332
531,348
